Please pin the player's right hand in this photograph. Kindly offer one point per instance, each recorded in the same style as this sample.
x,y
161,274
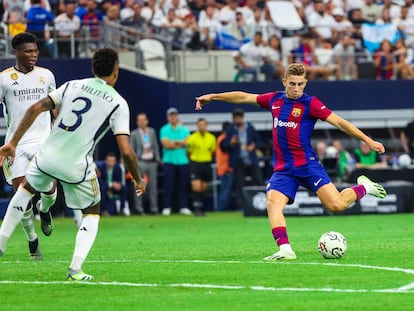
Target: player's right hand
x,y
202,101
7,150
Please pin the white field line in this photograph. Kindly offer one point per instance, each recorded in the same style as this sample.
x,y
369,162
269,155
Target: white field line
x,y
211,286
403,289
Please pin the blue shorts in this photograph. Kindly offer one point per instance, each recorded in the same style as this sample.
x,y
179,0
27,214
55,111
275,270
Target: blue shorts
x,y
287,182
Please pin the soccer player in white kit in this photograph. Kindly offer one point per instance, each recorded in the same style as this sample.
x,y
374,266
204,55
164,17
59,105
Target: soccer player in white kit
x,y
20,87
88,109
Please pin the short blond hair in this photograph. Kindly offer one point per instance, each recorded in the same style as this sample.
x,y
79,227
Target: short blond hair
x,y
295,69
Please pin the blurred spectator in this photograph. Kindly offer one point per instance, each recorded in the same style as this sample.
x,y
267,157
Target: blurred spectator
x,y
172,27
81,8
305,54
251,59
137,24
274,56
345,160
248,10
357,20
152,13
127,11
196,7
67,26
37,17
16,23
371,11
385,17
110,182
259,22
320,150
209,26
342,24
383,60
17,7
241,142
145,144
224,172
201,147
111,28
179,6
344,53
400,54
407,139
190,36
240,29
405,25
90,22
173,136
367,158
321,23
228,12
394,9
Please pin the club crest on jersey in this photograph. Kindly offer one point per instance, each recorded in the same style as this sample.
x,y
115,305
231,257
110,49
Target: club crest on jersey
x,y
42,80
296,112
13,76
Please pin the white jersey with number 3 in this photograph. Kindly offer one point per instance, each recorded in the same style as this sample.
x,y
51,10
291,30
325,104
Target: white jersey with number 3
x,y
88,109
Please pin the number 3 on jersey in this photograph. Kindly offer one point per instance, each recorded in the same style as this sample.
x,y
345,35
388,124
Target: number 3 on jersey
x,y
78,113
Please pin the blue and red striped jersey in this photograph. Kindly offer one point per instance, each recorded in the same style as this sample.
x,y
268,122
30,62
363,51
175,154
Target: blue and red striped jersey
x,y
293,124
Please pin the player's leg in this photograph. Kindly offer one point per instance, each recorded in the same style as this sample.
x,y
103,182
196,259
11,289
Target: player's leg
x,y
77,217
47,200
27,222
276,201
81,195
15,212
336,201
84,241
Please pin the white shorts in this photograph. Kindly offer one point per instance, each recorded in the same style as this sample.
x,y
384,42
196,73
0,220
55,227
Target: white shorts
x,y
77,196
24,154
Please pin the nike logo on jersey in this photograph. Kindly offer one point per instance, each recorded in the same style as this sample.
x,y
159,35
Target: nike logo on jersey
x,y
275,107
317,182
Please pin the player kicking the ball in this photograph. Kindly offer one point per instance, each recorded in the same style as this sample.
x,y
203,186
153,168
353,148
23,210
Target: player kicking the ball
x,y
295,163
88,109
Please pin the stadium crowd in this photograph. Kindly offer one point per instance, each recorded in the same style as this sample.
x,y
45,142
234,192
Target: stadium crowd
x,y
331,42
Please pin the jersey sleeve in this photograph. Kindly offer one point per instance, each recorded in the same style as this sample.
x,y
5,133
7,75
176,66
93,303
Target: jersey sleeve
x,y
57,95
263,100
119,120
52,82
318,109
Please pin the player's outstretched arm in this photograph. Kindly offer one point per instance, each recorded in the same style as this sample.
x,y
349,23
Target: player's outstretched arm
x,y
353,131
131,163
235,97
30,115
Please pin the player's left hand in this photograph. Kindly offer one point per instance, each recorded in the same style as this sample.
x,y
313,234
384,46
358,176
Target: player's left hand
x,y
7,150
202,101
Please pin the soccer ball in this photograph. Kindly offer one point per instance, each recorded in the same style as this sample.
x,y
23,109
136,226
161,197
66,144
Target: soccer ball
x,y
332,245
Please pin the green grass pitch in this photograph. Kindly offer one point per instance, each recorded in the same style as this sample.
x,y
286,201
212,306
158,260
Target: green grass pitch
x,y
215,263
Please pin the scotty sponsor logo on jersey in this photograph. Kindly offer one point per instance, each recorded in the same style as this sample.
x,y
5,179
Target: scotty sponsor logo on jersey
x,y
280,123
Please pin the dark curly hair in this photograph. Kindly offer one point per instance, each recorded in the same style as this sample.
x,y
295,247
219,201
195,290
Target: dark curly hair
x,y
21,38
103,62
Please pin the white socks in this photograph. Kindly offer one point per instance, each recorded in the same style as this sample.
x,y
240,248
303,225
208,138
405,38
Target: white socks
x,y
77,217
14,215
84,240
28,225
47,200
286,248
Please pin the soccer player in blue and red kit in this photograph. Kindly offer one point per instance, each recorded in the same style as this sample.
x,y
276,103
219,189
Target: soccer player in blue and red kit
x,y
294,160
